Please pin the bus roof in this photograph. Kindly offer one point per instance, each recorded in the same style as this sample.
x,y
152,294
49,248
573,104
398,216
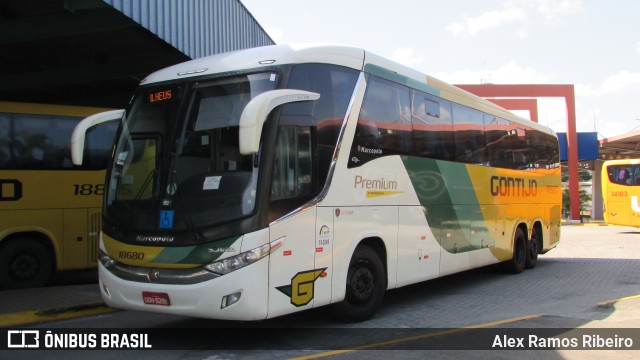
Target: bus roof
x,y
351,57
622,162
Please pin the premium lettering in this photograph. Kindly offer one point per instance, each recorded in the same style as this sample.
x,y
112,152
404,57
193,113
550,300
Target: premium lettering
x,y
509,186
378,184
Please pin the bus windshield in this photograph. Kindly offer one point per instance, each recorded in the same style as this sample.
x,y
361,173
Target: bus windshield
x,y
177,164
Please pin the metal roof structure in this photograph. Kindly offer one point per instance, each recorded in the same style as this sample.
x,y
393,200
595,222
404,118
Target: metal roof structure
x,y
95,52
626,146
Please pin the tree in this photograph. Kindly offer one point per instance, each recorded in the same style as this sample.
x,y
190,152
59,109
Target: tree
x,y
583,174
566,203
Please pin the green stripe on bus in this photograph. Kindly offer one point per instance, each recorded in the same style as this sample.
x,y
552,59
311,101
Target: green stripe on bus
x,y
452,209
200,254
401,79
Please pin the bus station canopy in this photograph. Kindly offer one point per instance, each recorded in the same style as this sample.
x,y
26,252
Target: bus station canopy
x,y
621,146
95,52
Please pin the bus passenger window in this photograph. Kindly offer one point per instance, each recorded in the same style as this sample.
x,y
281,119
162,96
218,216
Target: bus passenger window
x,y
384,125
497,135
468,126
432,128
335,85
623,174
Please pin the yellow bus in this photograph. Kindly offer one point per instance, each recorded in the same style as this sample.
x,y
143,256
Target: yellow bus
x,y
620,192
49,208
257,183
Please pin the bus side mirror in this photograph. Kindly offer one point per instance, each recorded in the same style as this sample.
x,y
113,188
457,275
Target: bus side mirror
x,y
255,114
80,131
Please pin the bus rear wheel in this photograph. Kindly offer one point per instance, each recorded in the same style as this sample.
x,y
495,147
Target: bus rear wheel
x,y
24,263
533,247
520,250
366,284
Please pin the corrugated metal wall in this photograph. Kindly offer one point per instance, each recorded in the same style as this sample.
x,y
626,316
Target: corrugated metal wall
x,y
588,146
197,27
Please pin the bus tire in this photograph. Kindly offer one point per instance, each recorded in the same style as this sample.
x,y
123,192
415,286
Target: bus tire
x,y
24,263
517,262
365,287
532,250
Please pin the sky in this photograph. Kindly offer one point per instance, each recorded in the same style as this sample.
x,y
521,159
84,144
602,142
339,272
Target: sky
x,y
592,44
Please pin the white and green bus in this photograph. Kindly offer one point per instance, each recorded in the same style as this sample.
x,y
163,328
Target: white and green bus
x,y
257,183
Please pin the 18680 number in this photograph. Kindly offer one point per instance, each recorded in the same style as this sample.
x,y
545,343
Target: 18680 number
x,y
131,255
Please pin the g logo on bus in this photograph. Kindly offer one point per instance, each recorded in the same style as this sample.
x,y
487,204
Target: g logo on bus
x,y
302,285
10,190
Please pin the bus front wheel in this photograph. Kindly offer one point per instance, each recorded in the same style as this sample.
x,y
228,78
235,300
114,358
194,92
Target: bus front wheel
x,y
366,284
24,263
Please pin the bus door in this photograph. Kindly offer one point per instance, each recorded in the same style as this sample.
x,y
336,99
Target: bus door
x,y
75,246
292,270
81,233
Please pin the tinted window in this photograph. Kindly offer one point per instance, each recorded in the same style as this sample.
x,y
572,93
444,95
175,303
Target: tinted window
x,y
444,130
384,125
292,173
292,181
98,143
335,85
36,141
468,126
497,136
624,174
432,127
5,140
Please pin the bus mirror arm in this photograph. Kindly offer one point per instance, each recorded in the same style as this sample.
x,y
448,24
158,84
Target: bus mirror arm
x,y
255,114
80,131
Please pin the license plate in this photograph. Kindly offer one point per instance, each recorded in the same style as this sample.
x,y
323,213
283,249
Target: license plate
x,y
153,298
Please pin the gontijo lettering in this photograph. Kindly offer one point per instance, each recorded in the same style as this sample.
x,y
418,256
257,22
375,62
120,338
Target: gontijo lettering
x,y
509,186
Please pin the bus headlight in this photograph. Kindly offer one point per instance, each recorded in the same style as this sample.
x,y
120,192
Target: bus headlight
x,y
239,261
105,259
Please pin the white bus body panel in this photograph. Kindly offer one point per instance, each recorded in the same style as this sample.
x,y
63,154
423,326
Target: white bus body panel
x,y
197,300
418,249
260,57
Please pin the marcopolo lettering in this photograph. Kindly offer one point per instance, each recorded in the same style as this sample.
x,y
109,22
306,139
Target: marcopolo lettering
x,y
509,186
155,239
365,150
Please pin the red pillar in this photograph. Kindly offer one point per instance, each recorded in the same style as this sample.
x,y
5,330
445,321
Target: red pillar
x,y
528,91
572,155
